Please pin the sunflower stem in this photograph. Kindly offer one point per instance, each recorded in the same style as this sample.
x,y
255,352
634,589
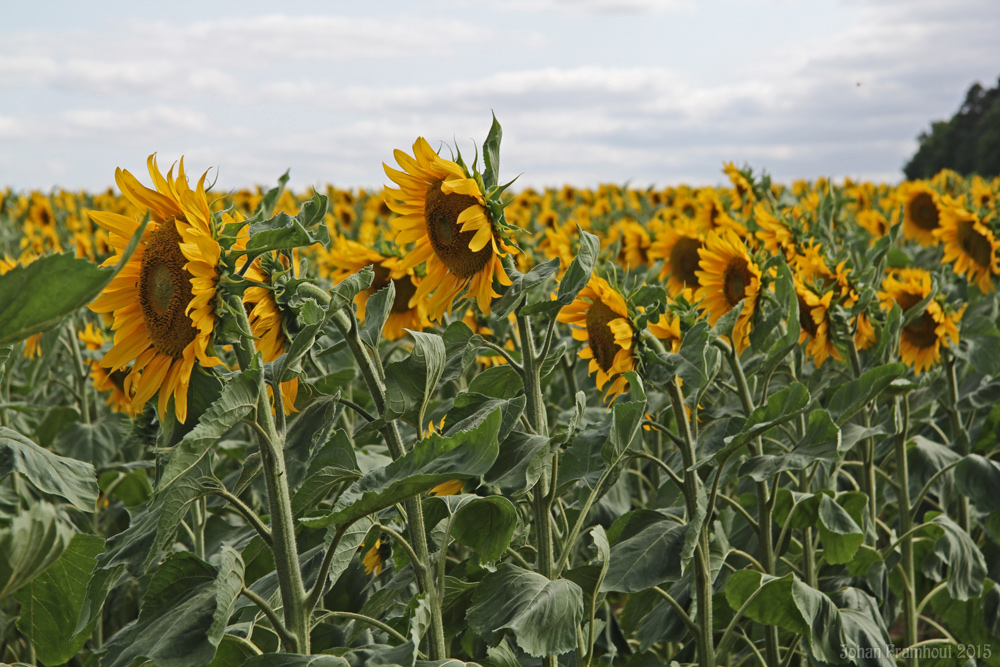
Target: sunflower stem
x,y
868,448
764,528
81,374
905,528
703,575
537,419
348,327
284,548
958,433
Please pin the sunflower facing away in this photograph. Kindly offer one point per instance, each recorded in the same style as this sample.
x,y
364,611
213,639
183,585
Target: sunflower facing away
x,y
162,301
600,316
443,211
920,341
728,275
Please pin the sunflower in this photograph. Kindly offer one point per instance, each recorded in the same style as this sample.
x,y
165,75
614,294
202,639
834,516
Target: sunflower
x,y
600,316
443,212
920,341
814,322
267,319
774,234
728,276
162,301
668,329
968,243
346,257
678,245
376,556
921,212
449,488
634,240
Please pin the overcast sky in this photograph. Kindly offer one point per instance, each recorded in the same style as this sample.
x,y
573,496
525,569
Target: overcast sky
x,y
588,91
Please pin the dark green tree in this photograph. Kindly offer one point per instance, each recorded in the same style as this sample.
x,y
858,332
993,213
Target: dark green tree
x,y
969,142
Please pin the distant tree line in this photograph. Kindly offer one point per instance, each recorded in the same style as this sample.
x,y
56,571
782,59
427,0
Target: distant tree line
x,y
969,142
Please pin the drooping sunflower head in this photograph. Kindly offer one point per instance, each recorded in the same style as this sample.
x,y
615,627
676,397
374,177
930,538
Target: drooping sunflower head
x,y
920,341
969,243
727,277
163,300
600,318
443,211
921,212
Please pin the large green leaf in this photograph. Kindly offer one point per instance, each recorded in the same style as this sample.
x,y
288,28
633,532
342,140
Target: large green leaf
x,y
486,525
520,464
649,558
978,478
67,478
782,406
820,443
294,660
184,613
238,398
771,603
954,549
852,396
839,532
32,542
377,311
39,295
544,615
52,601
410,383
283,232
432,461
625,419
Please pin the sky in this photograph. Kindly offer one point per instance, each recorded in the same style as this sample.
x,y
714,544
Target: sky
x,y
639,92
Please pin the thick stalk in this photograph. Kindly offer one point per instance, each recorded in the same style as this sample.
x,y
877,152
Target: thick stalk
x,y
868,451
541,497
284,548
414,510
81,374
703,575
764,528
905,526
958,433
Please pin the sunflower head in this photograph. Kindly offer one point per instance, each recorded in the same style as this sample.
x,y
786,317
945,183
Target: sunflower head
x,y
969,243
163,301
600,317
677,245
729,276
921,212
454,218
921,340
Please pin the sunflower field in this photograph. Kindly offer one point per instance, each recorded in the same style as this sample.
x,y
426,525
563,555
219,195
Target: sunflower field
x,y
457,422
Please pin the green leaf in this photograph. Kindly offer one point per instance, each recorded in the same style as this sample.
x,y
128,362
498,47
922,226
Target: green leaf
x,y
625,420
377,311
840,535
772,603
486,525
852,396
978,478
233,651
238,399
649,558
520,463
491,154
184,613
292,660
52,601
343,293
94,443
521,283
283,232
432,461
497,382
781,407
39,295
965,563
696,363
411,382
544,615
50,473
32,542
820,443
